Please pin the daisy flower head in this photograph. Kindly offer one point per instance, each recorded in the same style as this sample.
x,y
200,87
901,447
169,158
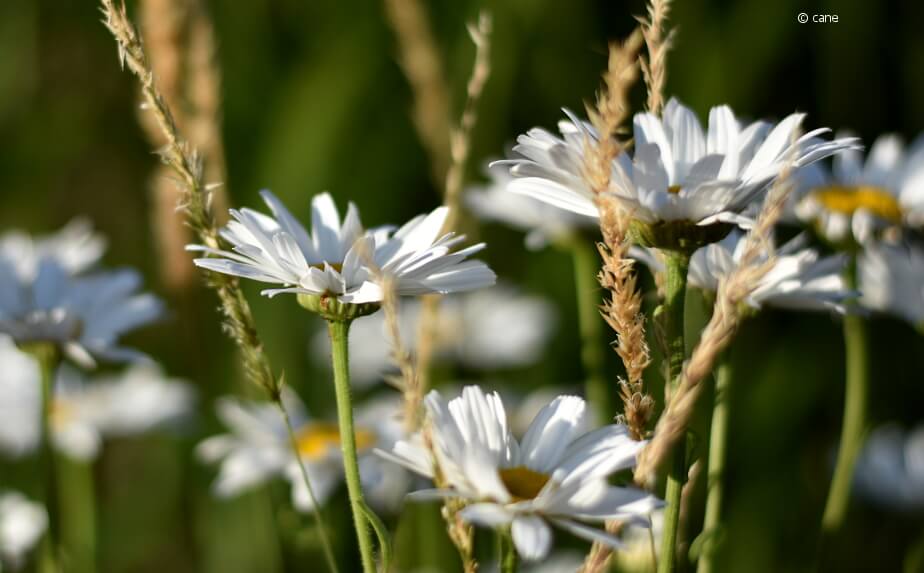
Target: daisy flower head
x,y
860,200
76,247
557,474
82,316
891,281
338,268
890,471
257,449
543,223
22,524
84,412
799,279
683,186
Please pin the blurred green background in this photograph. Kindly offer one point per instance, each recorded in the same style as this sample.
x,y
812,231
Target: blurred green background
x,y
314,100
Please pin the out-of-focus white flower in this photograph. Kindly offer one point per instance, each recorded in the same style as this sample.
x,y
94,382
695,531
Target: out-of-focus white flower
x,y
335,259
642,544
492,328
856,201
890,470
556,475
83,412
258,450
678,172
892,281
800,279
84,316
542,222
22,524
76,247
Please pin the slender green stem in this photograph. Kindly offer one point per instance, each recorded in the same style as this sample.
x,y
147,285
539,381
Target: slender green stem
x,y
315,506
715,472
507,555
339,332
675,288
48,360
77,497
854,424
587,291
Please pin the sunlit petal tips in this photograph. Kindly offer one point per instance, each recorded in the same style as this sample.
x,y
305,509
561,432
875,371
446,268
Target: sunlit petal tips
x,y
340,258
678,172
557,475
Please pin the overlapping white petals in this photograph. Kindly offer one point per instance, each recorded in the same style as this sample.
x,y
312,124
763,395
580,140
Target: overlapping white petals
x,y
677,172
865,197
542,222
257,449
76,247
800,278
892,281
84,412
83,315
556,475
340,258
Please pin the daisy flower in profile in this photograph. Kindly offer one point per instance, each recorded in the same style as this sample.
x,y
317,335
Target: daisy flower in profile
x,y
543,223
557,474
679,174
82,316
890,470
22,524
892,281
76,247
800,278
494,328
84,412
858,200
341,261
258,450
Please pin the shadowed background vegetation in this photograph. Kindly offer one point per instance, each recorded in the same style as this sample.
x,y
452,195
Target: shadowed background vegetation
x,y
314,100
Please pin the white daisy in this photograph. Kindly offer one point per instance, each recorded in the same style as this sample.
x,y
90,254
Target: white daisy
x,y
84,316
258,450
557,474
890,470
76,247
801,279
892,280
677,172
334,260
542,222
858,200
493,328
22,524
83,412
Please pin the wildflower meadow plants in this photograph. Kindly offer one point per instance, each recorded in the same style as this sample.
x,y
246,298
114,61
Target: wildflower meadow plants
x,y
460,410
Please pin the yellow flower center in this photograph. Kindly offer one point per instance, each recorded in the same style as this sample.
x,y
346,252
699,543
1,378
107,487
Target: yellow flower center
x,y
848,200
336,266
61,412
674,189
522,482
317,439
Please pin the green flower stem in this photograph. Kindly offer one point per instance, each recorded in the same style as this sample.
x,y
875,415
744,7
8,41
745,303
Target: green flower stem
x,y
315,506
715,471
675,288
587,291
854,425
339,332
507,555
48,359
77,497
